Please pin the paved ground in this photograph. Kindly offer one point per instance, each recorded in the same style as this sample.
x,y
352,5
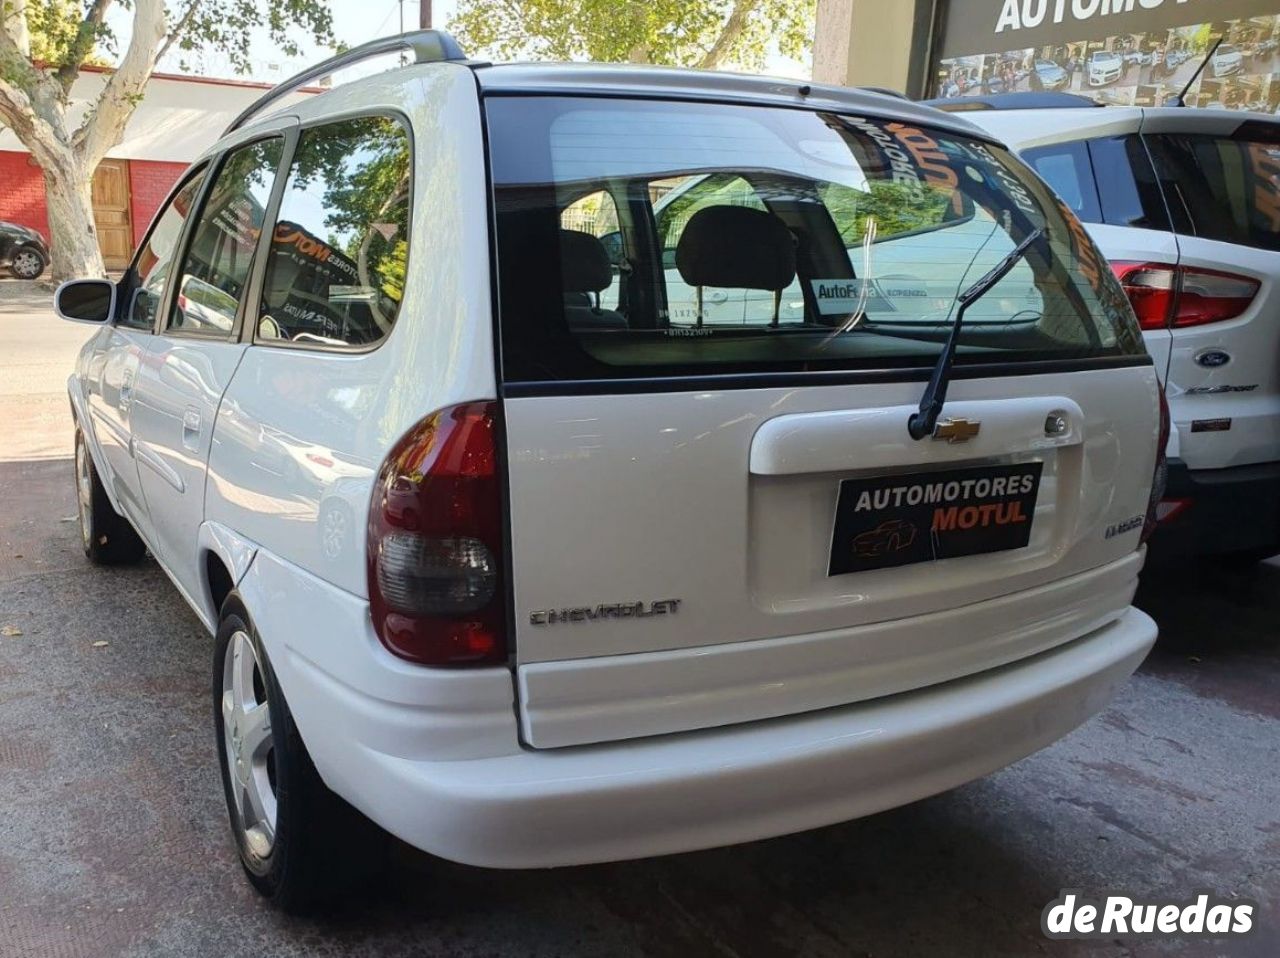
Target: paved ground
x,y
113,840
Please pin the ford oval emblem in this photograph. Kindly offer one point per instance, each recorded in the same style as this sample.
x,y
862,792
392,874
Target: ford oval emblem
x,y
1213,358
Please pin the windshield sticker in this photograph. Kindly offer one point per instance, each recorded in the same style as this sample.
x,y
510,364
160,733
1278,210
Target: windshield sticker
x,y
840,297
928,156
1083,249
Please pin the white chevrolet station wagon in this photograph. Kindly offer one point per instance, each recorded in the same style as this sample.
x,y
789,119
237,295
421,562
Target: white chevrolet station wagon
x,y
530,579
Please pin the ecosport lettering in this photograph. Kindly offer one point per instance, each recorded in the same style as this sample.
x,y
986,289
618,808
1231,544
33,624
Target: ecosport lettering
x,y
1028,14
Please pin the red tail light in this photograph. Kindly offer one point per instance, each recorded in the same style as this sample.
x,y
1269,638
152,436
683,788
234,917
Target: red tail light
x,y
1160,480
435,542
1166,296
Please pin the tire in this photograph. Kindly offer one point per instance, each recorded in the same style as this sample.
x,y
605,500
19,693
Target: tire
x,y
27,262
301,845
106,536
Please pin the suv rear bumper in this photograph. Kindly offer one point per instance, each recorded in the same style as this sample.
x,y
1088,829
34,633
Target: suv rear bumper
x,y
1227,510
722,786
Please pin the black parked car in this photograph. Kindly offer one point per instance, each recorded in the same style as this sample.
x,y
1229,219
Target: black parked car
x,y
23,250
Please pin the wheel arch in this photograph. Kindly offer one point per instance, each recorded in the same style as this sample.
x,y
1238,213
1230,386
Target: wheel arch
x,y
225,557
84,423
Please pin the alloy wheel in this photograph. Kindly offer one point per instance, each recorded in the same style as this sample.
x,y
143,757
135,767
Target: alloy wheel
x,y
27,264
250,755
84,491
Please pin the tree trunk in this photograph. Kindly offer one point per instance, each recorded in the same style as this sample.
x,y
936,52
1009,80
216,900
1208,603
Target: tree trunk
x,y
74,245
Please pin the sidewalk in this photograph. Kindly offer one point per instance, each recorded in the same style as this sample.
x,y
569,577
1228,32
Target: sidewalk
x,y
37,354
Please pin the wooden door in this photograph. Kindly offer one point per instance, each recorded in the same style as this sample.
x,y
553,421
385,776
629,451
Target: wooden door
x,y
111,212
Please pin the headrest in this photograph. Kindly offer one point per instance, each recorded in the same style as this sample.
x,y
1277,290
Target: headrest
x,y
736,247
584,263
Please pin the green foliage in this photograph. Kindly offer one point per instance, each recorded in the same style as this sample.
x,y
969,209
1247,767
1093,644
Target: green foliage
x,y
896,208
55,26
226,25
671,32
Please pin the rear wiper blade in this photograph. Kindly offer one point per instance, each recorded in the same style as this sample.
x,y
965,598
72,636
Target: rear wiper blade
x,y
923,423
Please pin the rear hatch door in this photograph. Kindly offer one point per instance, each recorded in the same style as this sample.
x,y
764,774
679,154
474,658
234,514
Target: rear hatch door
x,y
713,524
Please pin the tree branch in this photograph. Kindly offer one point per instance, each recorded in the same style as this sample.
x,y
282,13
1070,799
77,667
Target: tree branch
x,y
15,26
733,28
86,37
104,124
38,94
38,134
179,28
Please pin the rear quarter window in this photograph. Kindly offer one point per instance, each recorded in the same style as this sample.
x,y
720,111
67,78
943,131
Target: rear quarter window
x,y
1106,180
339,248
1067,168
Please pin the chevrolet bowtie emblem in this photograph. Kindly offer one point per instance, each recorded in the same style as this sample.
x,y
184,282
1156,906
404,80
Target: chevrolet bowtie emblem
x,y
956,430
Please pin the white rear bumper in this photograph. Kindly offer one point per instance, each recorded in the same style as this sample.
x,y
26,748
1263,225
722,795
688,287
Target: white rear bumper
x,y
398,758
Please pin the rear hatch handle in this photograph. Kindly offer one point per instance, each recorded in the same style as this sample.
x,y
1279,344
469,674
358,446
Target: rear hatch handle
x,y
922,423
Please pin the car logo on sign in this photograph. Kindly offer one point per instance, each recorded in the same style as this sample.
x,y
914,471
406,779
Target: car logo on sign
x,y
1213,358
891,536
956,430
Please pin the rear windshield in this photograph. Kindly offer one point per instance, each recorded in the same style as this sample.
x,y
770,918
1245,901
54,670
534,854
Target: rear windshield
x,y
642,238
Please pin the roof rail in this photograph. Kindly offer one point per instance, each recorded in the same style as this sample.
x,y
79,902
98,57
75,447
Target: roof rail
x,y
427,46
1012,101
884,91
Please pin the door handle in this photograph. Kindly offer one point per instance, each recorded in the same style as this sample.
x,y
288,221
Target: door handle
x,y
126,391
191,429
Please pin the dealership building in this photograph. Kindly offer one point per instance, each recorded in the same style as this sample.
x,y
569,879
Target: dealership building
x,y
177,120
1118,52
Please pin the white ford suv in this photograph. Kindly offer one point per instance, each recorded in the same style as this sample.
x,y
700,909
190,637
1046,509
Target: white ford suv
x,y
529,580
1186,206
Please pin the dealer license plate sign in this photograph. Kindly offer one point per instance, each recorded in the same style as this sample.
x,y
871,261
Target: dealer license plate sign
x,y
899,520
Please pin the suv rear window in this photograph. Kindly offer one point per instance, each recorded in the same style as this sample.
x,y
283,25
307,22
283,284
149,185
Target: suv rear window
x,y
1222,188
1107,180
751,239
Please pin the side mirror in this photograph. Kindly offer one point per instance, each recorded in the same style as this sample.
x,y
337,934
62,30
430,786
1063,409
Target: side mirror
x,y
85,300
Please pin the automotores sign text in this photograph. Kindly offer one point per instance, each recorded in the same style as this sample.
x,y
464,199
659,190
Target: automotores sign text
x,y
1141,53
898,520
993,26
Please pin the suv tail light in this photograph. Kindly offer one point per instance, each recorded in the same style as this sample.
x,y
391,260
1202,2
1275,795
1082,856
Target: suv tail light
x,y
436,544
1160,480
1166,296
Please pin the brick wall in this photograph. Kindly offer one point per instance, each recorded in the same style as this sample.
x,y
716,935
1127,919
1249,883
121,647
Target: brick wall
x,y
22,192
149,184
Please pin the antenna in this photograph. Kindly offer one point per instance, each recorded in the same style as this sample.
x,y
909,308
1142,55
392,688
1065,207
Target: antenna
x,y
1181,98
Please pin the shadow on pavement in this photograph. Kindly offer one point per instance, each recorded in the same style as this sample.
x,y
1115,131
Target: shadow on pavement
x,y
1219,631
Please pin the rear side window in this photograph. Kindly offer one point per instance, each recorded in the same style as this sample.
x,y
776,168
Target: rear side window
x,y
1106,180
339,249
1128,190
757,239
1225,189
216,268
1067,168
